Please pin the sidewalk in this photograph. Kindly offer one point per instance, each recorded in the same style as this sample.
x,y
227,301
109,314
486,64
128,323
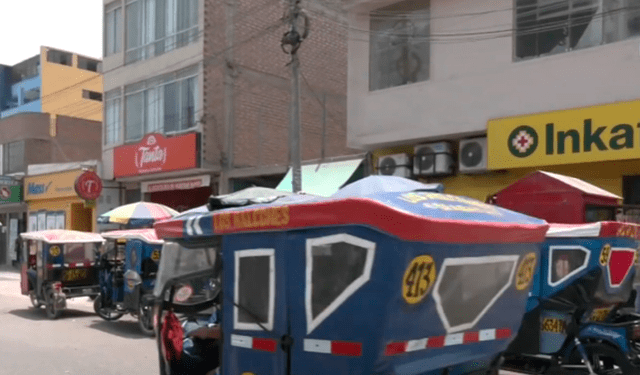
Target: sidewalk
x,y
8,268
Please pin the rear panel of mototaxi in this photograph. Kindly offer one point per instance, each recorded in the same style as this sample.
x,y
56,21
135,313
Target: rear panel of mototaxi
x,y
602,267
357,301
72,264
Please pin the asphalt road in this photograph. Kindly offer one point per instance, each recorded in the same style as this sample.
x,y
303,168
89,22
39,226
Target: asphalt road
x,y
78,342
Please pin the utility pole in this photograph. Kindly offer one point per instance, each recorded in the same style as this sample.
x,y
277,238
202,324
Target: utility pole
x,y
290,43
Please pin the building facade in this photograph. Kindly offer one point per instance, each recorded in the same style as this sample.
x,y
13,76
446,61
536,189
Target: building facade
x,y
478,94
55,82
27,139
197,97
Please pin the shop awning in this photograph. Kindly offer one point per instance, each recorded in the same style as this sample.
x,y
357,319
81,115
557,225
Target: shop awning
x,y
323,179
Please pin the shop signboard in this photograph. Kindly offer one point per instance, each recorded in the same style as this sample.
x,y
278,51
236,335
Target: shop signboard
x,y
591,134
156,153
176,184
51,186
10,190
88,186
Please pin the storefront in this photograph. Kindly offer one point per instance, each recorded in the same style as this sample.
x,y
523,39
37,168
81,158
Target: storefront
x,y
12,216
163,170
599,144
54,202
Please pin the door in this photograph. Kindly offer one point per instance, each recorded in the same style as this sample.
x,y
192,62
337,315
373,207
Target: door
x,y
254,305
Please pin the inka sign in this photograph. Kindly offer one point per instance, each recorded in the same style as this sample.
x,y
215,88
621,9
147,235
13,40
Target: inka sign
x,y
155,153
592,134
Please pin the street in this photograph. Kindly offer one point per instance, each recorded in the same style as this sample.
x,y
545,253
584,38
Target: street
x,y
79,342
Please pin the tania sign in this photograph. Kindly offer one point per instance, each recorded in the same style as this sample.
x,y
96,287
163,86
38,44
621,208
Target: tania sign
x,y
592,134
155,153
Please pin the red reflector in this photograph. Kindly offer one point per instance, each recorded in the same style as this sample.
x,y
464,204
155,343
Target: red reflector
x,y
87,263
503,333
435,342
395,348
267,345
471,337
353,349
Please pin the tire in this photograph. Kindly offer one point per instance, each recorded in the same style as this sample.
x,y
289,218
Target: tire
x,y
605,360
52,302
146,319
34,300
105,313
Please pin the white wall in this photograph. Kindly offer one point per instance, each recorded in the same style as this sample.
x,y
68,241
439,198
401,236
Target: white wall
x,y
472,82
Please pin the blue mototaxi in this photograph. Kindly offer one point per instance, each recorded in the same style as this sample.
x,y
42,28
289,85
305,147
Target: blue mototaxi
x,y
127,275
576,315
389,283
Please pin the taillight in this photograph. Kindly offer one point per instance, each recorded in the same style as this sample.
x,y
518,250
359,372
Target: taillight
x,y
57,287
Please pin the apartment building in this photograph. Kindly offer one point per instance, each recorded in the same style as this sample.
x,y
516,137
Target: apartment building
x,y
197,96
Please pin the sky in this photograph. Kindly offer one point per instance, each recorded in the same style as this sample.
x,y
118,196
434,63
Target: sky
x,y
70,25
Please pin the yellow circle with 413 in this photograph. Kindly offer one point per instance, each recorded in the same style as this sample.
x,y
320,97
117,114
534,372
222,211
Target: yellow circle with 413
x,y
526,270
418,279
605,254
155,255
54,251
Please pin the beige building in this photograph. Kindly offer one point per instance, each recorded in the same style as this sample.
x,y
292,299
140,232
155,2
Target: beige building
x,y
471,74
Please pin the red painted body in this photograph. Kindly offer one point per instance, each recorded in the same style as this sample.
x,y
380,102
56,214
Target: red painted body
x,y
543,196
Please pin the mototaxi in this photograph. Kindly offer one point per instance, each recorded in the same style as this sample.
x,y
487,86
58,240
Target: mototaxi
x,y
399,282
578,318
59,264
128,270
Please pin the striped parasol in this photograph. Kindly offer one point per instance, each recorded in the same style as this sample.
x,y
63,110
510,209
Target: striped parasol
x,y
135,215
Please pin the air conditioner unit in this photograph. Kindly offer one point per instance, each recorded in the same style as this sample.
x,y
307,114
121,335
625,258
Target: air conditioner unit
x,y
472,156
433,159
395,165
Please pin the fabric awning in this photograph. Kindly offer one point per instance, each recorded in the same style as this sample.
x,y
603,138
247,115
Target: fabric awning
x,y
322,179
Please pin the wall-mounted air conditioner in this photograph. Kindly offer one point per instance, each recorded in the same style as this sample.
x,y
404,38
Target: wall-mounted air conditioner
x,y
395,165
472,156
433,159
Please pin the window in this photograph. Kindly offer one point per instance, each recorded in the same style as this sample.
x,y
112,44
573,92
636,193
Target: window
x,y
399,45
468,287
92,95
337,266
31,95
254,289
547,27
566,261
158,26
88,64
13,157
165,104
112,117
60,57
113,30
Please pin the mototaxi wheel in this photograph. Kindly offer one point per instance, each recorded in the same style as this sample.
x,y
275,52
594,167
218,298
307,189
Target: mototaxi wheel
x,y
605,359
53,304
34,300
146,319
105,313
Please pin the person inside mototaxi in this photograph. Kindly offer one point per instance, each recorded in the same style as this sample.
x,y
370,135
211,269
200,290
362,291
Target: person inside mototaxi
x,y
199,352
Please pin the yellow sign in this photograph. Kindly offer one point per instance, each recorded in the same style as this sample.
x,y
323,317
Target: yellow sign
x,y
155,255
526,270
418,279
605,254
448,202
54,185
598,133
554,325
54,251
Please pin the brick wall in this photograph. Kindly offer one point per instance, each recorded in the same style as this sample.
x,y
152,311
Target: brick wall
x,y
262,84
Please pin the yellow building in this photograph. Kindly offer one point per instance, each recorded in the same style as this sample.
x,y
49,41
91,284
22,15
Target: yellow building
x,y
53,203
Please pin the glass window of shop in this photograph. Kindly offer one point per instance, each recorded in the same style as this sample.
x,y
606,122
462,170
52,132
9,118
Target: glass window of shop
x,y
155,27
548,27
165,104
